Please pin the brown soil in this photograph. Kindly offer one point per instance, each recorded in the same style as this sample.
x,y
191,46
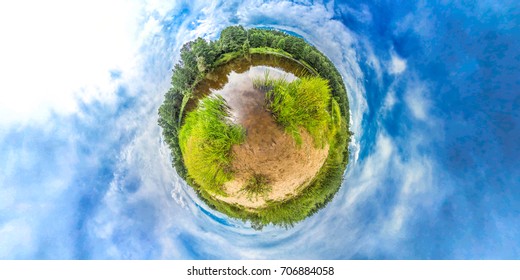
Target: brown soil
x,y
268,151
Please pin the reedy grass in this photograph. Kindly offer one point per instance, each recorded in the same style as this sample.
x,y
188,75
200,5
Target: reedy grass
x,y
227,57
205,140
268,50
210,172
303,103
257,185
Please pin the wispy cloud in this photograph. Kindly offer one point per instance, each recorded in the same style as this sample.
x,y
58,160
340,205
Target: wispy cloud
x,y
397,64
124,199
84,172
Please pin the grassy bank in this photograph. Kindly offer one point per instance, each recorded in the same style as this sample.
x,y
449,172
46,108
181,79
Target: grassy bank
x,y
280,52
227,57
199,57
267,50
205,140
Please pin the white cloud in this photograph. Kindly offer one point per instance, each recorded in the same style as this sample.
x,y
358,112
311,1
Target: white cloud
x,y
362,15
390,100
419,21
55,56
16,239
397,64
57,53
71,66
416,99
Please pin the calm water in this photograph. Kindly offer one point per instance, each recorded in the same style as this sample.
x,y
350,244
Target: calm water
x,y
233,81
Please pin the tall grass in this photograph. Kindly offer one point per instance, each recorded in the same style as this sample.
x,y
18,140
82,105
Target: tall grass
x,y
257,185
205,140
304,103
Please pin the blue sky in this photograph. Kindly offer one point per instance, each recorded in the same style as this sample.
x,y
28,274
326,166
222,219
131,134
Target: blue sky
x,y
433,90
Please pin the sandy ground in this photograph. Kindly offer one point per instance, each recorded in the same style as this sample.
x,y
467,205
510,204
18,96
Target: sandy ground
x,y
268,151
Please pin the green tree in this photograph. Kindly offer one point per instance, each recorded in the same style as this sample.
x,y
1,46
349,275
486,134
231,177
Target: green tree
x,y
232,38
245,47
295,46
257,39
205,55
281,44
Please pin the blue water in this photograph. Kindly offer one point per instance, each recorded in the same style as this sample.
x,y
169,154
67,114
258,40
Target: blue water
x,y
434,90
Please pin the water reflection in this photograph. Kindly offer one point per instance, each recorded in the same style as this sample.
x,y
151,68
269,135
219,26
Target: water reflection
x,y
227,79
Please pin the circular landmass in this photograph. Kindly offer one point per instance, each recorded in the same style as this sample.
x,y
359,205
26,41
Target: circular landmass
x,y
257,124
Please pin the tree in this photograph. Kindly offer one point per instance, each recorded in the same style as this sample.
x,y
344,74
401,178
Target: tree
x,y
204,54
295,46
182,77
281,44
245,47
257,39
232,38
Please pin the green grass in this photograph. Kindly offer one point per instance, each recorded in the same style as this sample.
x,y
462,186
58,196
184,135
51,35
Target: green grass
x,y
257,185
304,103
268,50
227,57
279,52
206,139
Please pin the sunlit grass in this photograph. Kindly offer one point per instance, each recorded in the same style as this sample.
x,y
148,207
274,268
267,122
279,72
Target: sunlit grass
x,y
257,185
227,57
206,139
303,103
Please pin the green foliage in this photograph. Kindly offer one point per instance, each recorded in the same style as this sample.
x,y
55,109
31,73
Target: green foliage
x,y
268,50
245,47
232,38
204,55
205,140
257,39
335,114
227,57
257,185
281,44
303,103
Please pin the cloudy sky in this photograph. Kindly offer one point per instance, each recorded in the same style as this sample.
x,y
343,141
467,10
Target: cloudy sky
x,y
434,97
